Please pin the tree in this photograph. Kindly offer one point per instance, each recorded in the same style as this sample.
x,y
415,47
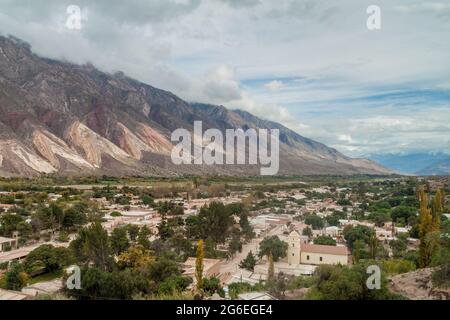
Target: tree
x,y
25,230
307,232
92,245
164,267
210,250
325,240
279,286
135,257
334,282
16,278
212,285
119,240
398,247
249,262
373,246
199,265
425,228
143,237
273,246
271,271
344,202
217,222
437,208
133,231
165,231
97,284
314,221
246,227
357,252
174,284
403,212
47,257
379,217
9,223
234,246
170,208
148,200
359,232
73,217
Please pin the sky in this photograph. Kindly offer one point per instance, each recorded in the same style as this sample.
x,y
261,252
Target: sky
x,y
312,65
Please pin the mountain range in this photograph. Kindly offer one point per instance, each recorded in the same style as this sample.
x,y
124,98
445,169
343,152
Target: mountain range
x,y
424,164
61,118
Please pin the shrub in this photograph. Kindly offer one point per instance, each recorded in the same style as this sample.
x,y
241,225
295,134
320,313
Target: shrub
x,y
116,214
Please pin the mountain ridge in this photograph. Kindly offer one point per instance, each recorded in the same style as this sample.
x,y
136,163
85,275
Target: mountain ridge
x,y
62,118
415,163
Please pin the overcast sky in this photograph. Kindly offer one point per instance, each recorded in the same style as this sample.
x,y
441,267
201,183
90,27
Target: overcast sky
x,y
311,65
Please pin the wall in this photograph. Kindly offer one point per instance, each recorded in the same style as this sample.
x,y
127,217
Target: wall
x,y
314,258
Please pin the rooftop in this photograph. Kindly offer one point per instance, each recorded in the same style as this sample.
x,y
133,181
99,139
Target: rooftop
x,y
316,248
12,295
6,240
256,296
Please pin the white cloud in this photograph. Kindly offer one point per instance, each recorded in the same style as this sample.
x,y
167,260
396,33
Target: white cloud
x,y
274,85
345,138
211,51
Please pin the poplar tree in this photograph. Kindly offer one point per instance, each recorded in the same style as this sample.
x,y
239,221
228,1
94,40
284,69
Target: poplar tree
x,y
199,265
437,210
373,246
425,227
271,271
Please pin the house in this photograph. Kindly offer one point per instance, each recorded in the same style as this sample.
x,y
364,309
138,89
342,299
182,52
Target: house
x,y
46,287
7,244
5,207
211,267
301,252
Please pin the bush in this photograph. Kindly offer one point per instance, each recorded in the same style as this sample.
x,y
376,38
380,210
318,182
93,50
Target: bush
x,y
346,283
397,266
115,214
441,276
16,278
63,237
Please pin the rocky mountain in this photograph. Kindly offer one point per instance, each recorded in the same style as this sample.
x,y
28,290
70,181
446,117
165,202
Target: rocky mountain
x,y
62,118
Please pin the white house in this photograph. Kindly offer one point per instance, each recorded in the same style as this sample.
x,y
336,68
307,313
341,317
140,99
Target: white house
x,y
7,244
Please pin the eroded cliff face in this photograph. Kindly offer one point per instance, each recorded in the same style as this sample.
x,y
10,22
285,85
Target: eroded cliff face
x,y
56,117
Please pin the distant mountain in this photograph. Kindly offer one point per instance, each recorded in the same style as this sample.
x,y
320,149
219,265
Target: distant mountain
x,y
415,163
441,168
57,117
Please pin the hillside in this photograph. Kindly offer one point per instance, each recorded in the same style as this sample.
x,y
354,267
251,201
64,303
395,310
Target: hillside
x,y
57,117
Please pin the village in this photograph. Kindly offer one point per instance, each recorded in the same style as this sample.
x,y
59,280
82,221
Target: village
x,y
286,230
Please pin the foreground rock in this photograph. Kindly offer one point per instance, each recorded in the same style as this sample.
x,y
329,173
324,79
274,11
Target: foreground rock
x,y
417,285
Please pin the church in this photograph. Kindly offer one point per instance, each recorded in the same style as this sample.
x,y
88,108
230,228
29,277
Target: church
x,y
301,252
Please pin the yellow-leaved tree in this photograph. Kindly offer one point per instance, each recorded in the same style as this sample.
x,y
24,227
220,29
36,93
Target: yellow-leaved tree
x,y
429,226
199,265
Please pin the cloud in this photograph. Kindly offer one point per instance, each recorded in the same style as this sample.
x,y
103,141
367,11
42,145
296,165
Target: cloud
x,y
345,138
310,64
274,85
